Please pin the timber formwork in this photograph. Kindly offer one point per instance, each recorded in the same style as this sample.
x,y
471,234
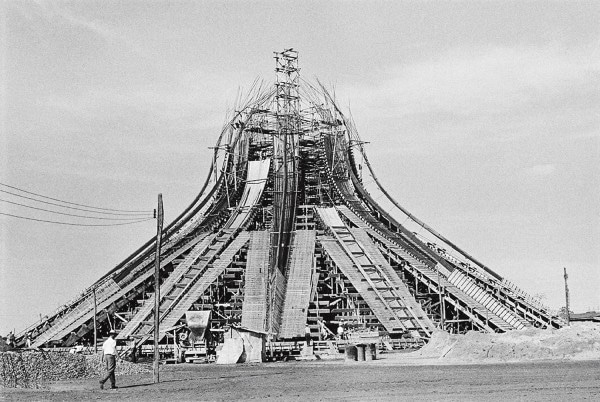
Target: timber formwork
x,y
284,235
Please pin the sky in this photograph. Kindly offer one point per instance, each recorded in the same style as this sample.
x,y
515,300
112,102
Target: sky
x,y
482,120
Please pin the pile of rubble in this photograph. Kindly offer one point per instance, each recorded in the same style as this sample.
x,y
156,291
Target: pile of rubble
x,y
124,367
33,368
580,341
30,369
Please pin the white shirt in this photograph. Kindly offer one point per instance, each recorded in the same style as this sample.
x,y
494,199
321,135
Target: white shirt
x,y
109,347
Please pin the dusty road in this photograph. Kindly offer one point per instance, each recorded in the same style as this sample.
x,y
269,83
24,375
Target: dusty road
x,y
564,381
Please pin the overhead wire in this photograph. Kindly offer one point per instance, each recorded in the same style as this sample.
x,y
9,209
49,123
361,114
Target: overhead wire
x,y
140,213
72,203
75,215
76,224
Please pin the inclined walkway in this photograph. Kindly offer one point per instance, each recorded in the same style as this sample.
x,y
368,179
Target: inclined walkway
x,y
375,280
168,288
470,306
254,306
104,298
300,279
193,275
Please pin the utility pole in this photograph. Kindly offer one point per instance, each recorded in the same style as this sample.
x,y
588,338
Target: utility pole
x,y
441,299
95,324
567,298
159,226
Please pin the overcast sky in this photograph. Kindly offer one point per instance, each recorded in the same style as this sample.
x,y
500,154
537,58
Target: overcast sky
x,y
482,117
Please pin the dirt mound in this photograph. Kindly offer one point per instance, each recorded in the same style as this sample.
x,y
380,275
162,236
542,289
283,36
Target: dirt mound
x,y
31,369
581,341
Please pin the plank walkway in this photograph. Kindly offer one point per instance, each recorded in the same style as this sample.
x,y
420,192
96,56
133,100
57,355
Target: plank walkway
x,y
254,306
396,312
298,291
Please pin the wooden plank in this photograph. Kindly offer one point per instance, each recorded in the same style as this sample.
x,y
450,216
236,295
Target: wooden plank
x,y
299,286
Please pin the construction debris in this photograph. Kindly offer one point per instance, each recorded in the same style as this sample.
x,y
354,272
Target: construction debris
x,y
32,369
580,341
97,366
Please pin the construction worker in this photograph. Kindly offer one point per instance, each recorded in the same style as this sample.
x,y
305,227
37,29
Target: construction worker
x,y
109,354
323,333
133,351
307,335
10,340
340,330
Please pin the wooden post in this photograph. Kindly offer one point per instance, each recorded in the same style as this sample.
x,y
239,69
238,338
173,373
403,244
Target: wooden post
x,y
441,297
568,314
95,324
159,226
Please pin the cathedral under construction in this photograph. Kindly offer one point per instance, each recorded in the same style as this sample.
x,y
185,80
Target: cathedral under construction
x,y
292,230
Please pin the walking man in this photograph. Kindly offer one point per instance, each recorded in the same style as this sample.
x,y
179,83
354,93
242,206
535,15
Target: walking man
x,y
109,354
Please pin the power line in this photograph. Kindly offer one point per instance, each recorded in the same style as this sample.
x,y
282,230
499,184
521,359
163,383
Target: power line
x,y
70,203
67,214
78,209
76,224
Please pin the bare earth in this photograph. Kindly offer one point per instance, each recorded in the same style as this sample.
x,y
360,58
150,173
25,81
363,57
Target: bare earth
x,y
394,377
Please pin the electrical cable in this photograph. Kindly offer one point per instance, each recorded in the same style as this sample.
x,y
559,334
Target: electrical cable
x,y
76,224
72,203
78,209
75,215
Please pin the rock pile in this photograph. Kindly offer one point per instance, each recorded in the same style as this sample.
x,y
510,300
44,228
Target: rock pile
x,y
31,369
124,367
581,341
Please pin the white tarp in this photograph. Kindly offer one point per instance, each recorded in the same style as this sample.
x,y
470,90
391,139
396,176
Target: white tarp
x,y
242,346
232,351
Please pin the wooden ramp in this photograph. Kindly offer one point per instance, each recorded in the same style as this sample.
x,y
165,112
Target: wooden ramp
x,y
254,307
372,252
255,185
71,319
221,258
106,294
467,285
298,291
168,289
396,311
430,275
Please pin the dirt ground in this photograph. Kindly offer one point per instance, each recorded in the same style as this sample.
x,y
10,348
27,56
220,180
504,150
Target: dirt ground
x,y
394,377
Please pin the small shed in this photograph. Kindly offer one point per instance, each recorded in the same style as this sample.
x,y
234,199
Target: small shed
x,y
242,345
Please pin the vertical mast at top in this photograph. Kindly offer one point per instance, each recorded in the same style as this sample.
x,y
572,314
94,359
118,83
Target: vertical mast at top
x,y
285,153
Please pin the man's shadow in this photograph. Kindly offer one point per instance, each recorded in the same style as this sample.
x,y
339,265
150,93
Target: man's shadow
x,y
150,383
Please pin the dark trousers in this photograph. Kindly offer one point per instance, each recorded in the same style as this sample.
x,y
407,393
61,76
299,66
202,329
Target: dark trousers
x,y
307,338
111,363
